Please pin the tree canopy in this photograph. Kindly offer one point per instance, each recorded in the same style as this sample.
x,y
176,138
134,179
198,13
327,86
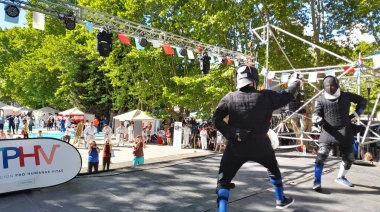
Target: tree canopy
x,y
62,68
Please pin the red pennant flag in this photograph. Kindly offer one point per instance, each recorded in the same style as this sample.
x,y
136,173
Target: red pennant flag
x,y
270,80
124,38
168,50
229,61
352,70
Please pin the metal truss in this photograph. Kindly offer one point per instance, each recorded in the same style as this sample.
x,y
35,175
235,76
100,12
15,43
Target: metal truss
x,y
115,24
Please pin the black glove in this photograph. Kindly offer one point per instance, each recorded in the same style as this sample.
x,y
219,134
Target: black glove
x,y
242,135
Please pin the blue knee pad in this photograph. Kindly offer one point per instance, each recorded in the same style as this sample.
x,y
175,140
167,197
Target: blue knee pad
x,y
277,186
318,173
223,195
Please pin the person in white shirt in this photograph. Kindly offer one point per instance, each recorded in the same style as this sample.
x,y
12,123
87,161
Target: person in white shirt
x,y
144,135
107,132
203,134
39,135
119,133
68,132
17,123
186,135
90,133
219,141
9,134
130,132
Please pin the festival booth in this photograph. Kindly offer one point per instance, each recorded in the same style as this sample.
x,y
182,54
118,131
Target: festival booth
x,y
140,118
9,110
76,115
24,110
43,113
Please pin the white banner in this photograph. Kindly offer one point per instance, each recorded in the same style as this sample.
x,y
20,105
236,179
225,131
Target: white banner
x,y
36,163
177,139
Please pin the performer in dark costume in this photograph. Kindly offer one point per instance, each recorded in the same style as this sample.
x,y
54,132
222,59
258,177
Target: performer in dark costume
x,y
249,112
332,112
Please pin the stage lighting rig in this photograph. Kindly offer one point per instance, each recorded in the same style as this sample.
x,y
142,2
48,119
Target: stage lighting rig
x,y
12,11
68,20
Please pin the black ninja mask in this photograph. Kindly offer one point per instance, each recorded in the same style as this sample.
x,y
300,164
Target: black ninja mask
x,y
330,85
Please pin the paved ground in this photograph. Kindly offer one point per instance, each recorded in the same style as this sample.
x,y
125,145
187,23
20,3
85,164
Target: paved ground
x,y
184,180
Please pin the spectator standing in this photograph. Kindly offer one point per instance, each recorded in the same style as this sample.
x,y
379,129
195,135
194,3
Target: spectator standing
x,y
68,132
93,157
168,135
1,123
62,124
17,121
11,124
24,131
79,133
203,134
120,134
130,131
219,141
144,135
90,133
138,151
96,124
107,148
186,135
107,130
31,124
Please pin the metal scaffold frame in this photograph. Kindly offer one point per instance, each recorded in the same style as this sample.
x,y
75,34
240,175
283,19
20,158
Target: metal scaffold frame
x,y
266,34
101,20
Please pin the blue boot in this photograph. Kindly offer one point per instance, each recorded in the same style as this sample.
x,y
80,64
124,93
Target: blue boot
x,y
317,177
223,195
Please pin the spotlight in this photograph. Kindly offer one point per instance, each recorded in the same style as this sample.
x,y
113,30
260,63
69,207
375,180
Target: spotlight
x,y
143,41
206,63
183,52
12,11
68,20
104,43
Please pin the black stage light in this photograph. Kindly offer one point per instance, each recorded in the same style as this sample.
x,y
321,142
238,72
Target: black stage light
x,y
68,20
12,11
206,63
183,52
104,43
143,41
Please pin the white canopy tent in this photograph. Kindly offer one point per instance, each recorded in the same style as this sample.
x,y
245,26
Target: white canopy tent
x,y
76,115
2,104
9,110
43,113
140,118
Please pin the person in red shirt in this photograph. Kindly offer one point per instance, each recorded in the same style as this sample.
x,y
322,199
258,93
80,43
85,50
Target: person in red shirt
x,y
96,124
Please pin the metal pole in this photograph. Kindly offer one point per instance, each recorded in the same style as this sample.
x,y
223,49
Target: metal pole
x,y
312,44
267,57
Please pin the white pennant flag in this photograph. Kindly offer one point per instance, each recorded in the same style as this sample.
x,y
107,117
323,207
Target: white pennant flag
x,y
312,77
38,20
376,61
284,77
190,55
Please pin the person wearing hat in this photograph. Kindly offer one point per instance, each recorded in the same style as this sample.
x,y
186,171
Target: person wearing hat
x,y
332,112
138,151
250,111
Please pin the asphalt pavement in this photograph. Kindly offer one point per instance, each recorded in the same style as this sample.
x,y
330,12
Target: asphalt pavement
x,y
184,180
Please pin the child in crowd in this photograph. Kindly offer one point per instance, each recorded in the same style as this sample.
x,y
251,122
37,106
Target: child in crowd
x,y
138,151
39,135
